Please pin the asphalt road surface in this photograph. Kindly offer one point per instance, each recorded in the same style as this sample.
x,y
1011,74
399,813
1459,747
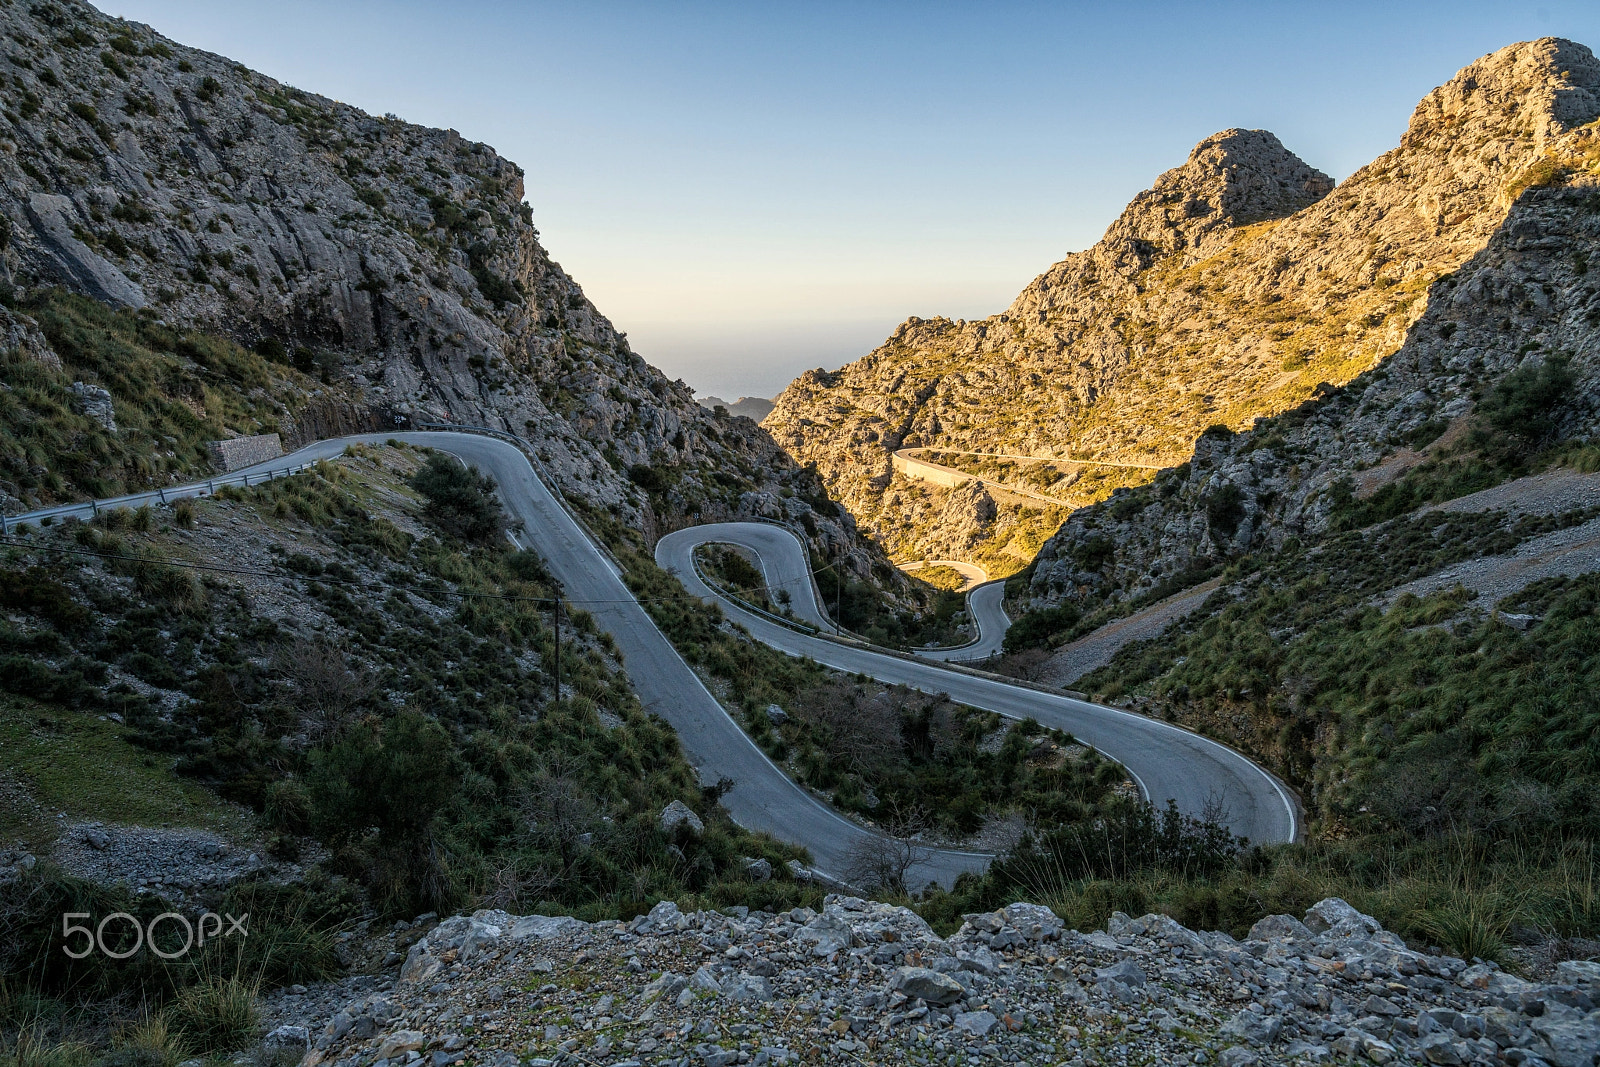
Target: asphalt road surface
x,y
1166,761
985,604
784,567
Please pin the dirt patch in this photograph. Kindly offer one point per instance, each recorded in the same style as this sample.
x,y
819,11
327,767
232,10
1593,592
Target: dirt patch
x,y
1394,466
1568,552
1095,650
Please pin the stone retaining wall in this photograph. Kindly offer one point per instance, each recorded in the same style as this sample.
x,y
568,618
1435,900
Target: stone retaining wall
x,y
239,452
921,469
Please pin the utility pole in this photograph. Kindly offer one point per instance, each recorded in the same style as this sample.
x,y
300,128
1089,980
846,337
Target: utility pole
x,y
558,651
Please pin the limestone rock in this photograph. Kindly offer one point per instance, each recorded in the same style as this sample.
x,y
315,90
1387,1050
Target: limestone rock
x,y
1280,928
925,984
678,814
288,1038
1252,1027
1332,917
54,219
219,199
401,1041
95,402
758,991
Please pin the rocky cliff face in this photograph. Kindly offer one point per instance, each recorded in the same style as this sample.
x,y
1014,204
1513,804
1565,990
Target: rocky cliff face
x,y
399,262
1238,286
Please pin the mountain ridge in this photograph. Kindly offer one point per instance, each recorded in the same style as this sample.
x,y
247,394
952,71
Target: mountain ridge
x,y
398,264
1129,349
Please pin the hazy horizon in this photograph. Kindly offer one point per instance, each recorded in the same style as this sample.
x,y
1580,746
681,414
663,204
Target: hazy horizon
x,y
750,191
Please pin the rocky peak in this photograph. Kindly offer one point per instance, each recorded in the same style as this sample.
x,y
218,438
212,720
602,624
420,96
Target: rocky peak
x,y
1231,179
1539,89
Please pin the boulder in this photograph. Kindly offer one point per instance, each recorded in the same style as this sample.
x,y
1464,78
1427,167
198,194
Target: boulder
x,y
1333,918
1572,1037
980,960
1252,1027
1033,921
678,814
543,927
747,987
828,934
976,1023
1578,972
292,1038
926,984
757,870
668,985
420,965
661,918
401,1041
1127,972
705,981
1280,928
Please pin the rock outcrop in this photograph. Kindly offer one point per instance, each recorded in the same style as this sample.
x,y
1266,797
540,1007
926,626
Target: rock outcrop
x,y
1237,287
862,980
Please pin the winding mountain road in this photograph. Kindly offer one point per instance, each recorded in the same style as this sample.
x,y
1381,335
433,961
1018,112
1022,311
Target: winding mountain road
x,y
1166,761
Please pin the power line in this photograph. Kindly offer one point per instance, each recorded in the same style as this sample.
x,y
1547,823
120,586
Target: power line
x,y
265,573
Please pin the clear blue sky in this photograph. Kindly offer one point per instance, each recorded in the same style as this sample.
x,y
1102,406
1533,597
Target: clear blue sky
x,y
750,189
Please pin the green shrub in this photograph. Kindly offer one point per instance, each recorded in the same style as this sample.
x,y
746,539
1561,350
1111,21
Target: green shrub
x,y
460,500
1037,629
647,478
395,780
1224,510
215,1016
1527,403
32,1048
172,390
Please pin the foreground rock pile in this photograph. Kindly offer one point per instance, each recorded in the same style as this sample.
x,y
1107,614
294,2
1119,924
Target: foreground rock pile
x,y
864,982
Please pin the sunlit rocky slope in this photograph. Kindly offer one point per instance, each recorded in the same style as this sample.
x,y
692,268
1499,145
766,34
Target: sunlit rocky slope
x,y
1238,286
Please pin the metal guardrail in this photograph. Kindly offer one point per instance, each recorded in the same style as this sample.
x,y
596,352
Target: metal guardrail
x,y
161,495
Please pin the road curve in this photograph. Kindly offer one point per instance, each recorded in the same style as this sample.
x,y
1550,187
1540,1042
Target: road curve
x,y
1199,774
784,567
762,798
985,603
974,574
